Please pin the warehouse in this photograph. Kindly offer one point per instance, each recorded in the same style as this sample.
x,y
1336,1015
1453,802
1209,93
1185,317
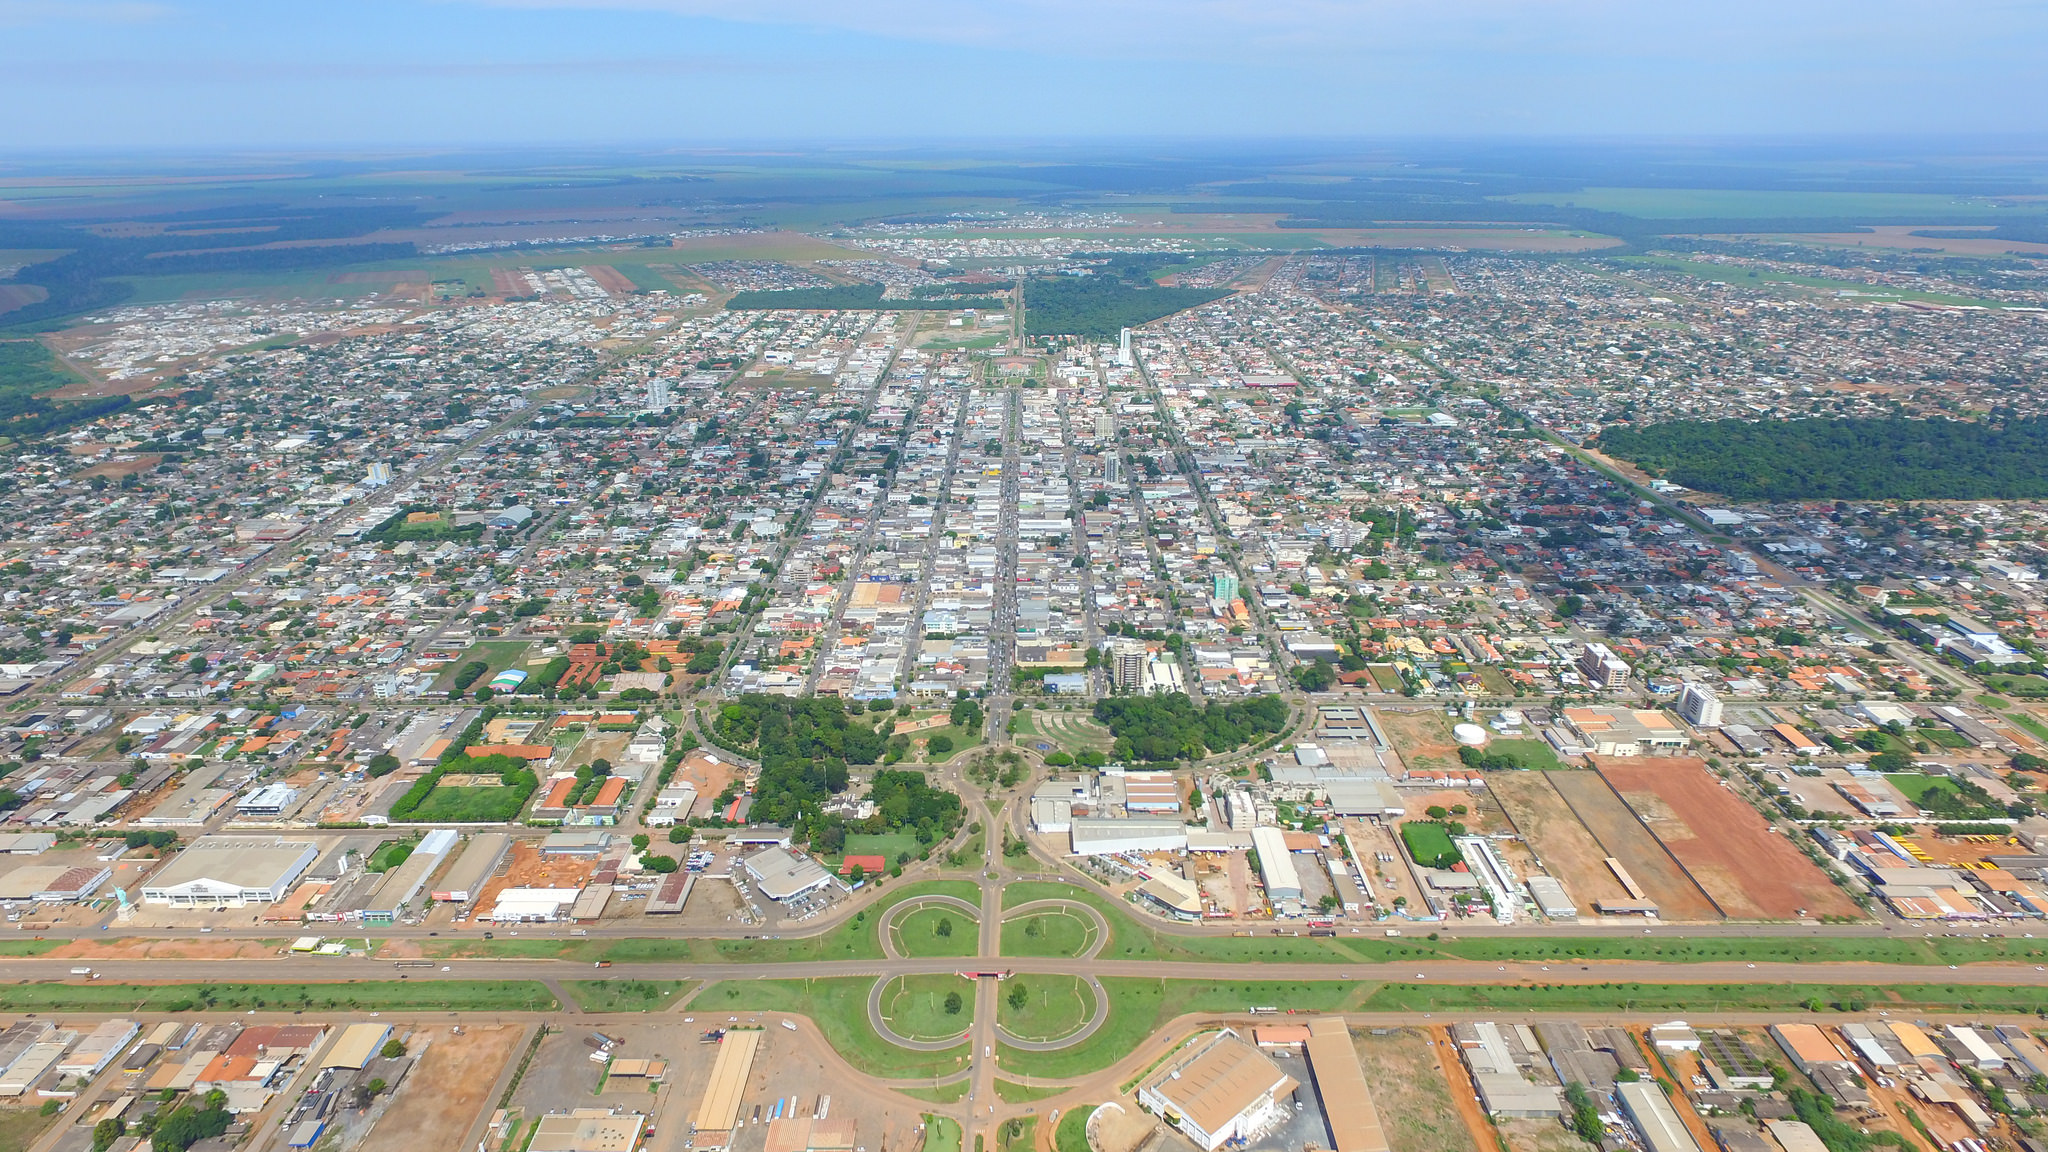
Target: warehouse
x,y
1276,866
533,905
783,875
1646,1107
400,885
1223,1089
358,1043
1111,836
99,1048
720,1108
477,864
588,1130
231,872
1340,1082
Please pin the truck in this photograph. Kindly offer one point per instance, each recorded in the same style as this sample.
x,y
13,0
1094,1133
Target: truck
x,y
88,973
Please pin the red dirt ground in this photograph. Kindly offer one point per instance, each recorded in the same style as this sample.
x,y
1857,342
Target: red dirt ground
x,y
610,279
1753,872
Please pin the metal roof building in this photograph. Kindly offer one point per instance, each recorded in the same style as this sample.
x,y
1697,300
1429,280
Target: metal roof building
x,y
1340,1082
1225,1089
230,872
783,875
1646,1106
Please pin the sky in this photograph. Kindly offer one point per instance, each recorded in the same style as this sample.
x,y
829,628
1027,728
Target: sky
x,y
228,74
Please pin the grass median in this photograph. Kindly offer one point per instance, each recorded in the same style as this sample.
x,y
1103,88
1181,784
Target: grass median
x,y
363,995
1702,998
1139,1007
627,995
839,1007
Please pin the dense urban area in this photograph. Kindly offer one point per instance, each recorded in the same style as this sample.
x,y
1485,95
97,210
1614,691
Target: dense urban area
x,y
1031,678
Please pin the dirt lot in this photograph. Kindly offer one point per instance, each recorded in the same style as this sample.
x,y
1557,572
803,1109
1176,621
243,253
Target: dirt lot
x,y
1751,871
508,282
528,870
1559,844
1615,827
132,948
1423,739
1411,1092
1389,879
610,279
1539,1136
1955,849
449,1087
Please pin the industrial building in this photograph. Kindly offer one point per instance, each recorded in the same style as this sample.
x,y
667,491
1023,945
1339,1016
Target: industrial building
x,y
1646,1106
783,875
1276,865
1340,1083
588,1130
1223,1089
1114,835
719,1111
231,872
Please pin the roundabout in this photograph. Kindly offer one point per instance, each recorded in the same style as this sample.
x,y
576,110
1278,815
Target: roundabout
x,y
1054,928
930,926
927,1013
1045,1013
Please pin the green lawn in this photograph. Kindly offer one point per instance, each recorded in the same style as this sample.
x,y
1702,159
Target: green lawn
x,y
944,1094
1072,1134
1016,1133
890,846
1916,785
963,739
1708,998
1054,1006
938,931
1536,754
2029,722
389,855
915,1006
28,947
839,1006
376,995
497,656
1429,844
1944,737
446,805
22,1124
1053,933
1138,1007
942,1133
1014,1093
627,995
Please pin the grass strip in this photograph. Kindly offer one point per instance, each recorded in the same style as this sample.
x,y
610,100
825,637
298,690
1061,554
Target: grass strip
x,y
366,995
839,1007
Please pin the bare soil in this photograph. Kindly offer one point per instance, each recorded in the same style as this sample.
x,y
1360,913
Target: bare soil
x,y
447,1089
1616,828
1558,842
1416,1103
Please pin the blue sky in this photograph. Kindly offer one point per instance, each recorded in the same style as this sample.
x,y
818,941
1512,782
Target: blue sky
x,y
316,73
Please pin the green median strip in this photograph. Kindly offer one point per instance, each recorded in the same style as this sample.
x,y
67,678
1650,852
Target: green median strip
x,y
362,995
627,995
839,1007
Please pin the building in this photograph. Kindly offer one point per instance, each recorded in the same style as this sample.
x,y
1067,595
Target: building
x,y
1698,706
1223,1089
1115,835
267,802
783,875
719,1110
533,905
1646,1107
1340,1083
1599,665
1127,660
588,843
230,872
588,1130
657,394
98,1048
1625,731
1276,864
377,476
1226,587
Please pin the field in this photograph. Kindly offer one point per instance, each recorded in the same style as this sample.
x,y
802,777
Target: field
x,y
1853,288
447,1089
1616,828
1072,1134
1139,1007
942,1134
891,846
1729,203
1422,738
1429,844
1562,845
839,1007
1051,933
446,805
915,1006
497,655
626,995
1529,753
1752,872
937,931
1054,1006
1915,786
22,1123
1413,1098
1901,237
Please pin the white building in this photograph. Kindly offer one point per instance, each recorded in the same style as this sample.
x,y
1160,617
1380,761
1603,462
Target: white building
x,y
231,872
1698,706
1599,664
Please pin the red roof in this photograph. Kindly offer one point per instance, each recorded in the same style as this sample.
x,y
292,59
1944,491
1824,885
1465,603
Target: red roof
x,y
869,865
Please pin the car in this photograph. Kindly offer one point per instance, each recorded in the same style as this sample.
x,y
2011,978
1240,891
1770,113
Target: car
x,y
444,968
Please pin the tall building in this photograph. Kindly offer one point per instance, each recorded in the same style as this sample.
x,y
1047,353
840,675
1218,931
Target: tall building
x,y
1698,706
1226,587
1599,664
1127,662
657,394
1124,359
378,476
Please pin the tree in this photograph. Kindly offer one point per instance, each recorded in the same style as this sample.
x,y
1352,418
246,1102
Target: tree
x,y
197,665
1018,996
944,927
1328,903
953,1003
393,1049
382,764
939,745
106,1132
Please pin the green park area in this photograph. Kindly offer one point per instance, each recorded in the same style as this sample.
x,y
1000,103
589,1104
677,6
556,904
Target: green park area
x,y
839,1007
627,995
942,1133
1044,1007
1429,843
1048,932
1072,1134
929,1007
1915,786
893,847
1140,1007
937,930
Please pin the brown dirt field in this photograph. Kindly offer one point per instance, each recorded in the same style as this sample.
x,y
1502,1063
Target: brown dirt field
x,y
1562,845
119,468
610,279
528,870
508,282
789,246
393,276
1616,828
1423,739
1751,871
14,296
447,1089
130,948
1414,1091
1540,1136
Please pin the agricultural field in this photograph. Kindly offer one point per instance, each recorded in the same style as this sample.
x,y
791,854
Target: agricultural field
x,y
1752,872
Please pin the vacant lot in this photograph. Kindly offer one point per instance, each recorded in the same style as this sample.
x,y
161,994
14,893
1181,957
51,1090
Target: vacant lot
x,y
1617,829
1751,871
1560,843
1413,1099
1422,738
447,1089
